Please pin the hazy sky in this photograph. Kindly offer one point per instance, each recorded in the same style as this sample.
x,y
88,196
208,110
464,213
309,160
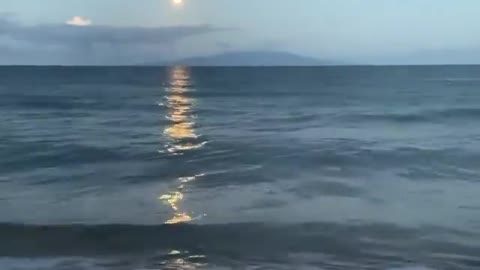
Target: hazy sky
x,y
130,31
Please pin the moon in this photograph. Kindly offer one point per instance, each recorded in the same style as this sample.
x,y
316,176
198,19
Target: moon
x,y
177,2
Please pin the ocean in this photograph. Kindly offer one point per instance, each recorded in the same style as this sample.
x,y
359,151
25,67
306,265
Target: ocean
x,y
240,168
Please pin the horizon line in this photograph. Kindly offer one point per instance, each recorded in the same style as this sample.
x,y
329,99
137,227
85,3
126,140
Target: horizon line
x,y
245,66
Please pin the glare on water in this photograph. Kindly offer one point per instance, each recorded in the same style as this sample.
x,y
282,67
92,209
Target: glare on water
x,y
181,135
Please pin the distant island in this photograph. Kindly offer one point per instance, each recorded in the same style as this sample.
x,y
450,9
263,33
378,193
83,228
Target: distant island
x,y
247,58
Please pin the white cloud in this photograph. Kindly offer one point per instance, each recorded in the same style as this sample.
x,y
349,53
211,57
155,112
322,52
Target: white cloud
x,y
79,21
95,44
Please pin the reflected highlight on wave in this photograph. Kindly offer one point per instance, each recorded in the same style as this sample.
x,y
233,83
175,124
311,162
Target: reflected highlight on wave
x,y
174,199
180,132
184,260
181,136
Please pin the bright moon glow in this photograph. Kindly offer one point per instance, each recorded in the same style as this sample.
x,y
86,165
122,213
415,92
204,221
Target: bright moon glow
x,y
177,2
79,21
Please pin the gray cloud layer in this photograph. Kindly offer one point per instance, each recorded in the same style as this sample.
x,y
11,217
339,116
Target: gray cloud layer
x,y
79,43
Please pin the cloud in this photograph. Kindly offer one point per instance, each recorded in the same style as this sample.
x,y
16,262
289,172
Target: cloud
x,y
113,44
66,34
79,21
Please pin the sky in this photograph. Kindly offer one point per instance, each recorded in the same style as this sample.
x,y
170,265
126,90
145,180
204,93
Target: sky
x,y
136,31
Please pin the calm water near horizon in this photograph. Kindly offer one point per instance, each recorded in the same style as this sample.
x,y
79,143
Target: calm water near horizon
x,y
240,168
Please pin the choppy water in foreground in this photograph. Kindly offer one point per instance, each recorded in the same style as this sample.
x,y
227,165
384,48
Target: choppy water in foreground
x,y
240,168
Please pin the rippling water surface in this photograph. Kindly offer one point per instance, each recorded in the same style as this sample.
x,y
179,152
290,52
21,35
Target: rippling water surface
x,y
240,168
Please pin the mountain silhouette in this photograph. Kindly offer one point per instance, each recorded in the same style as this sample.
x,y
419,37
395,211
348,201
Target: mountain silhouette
x,y
248,58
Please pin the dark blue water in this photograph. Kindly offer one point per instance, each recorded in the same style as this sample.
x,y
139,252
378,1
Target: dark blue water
x,y
240,168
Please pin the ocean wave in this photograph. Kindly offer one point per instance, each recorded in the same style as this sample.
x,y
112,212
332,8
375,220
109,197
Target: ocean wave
x,y
335,154
28,155
76,106
456,79
174,262
358,243
349,158
420,116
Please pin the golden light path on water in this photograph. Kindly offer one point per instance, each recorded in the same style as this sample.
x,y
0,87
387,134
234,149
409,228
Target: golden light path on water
x,y
181,134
